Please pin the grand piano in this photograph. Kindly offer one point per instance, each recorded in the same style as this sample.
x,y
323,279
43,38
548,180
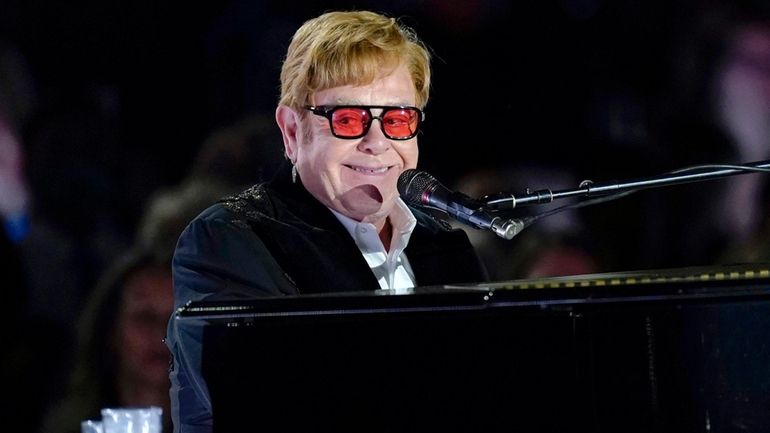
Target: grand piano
x,y
675,350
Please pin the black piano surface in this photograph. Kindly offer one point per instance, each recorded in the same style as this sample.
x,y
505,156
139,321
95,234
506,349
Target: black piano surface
x,y
677,350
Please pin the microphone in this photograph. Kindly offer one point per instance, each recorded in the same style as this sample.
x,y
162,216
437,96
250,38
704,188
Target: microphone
x,y
420,189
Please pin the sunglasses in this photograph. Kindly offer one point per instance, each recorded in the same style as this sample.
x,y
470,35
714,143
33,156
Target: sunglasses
x,y
354,121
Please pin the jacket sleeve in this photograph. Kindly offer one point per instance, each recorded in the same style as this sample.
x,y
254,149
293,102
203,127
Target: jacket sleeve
x,y
217,258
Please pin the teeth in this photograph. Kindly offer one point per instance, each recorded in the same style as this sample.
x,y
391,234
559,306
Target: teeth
x,y
370,170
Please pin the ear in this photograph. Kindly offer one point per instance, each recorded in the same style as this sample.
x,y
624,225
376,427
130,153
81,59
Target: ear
x,y
288,121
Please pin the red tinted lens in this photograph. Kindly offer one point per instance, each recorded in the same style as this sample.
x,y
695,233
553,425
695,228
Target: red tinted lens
x,y
350,122
401,122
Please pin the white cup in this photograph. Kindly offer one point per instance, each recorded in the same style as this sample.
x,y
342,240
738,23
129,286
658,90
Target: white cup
x,y
91,426
132,420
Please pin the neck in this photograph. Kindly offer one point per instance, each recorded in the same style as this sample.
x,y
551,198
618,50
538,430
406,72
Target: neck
x,y
386,233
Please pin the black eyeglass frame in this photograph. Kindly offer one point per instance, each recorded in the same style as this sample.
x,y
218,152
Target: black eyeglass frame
x,y
327,111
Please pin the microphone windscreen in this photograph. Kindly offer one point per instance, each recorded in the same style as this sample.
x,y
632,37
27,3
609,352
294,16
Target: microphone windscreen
x,y
413,184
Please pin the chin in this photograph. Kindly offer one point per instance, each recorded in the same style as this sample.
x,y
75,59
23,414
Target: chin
x,y
381,213
363,215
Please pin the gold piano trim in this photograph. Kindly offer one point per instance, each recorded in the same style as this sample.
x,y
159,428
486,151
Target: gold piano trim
x,y
741,272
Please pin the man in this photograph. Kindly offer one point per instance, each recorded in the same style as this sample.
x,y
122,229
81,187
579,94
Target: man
x,y
353,86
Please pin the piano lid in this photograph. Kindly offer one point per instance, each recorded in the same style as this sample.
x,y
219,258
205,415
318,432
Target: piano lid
x,y
725,283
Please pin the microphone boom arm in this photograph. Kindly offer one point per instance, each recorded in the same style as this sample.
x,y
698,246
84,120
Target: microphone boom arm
x,y
588,188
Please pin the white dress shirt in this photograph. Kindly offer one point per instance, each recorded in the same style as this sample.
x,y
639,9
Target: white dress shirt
x,y
391,268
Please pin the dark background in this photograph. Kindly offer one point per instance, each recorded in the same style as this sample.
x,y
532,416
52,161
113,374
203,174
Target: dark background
x,y
543,93
541,72
113,100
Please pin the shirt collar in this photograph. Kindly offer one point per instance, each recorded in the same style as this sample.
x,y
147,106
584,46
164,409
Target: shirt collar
x,y
402,221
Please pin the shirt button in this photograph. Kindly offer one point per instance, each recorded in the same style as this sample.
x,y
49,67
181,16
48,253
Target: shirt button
x,y
362,230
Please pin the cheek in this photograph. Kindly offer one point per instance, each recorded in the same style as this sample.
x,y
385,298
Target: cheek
x,y
134,340
127,344
323,161
409,154
138,335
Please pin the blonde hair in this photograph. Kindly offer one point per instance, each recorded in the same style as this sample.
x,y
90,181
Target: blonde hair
x,y
350,48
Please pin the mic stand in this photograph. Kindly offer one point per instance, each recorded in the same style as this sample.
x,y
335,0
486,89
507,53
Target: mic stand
x,y
588,188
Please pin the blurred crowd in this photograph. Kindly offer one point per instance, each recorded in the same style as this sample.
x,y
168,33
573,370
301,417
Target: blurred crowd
x,y
100,171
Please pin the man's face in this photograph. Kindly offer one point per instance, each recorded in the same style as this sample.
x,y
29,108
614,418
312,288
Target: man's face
x,y
357,177
141,325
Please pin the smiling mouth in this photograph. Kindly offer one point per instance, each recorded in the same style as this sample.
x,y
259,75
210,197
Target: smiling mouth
x,y
366,170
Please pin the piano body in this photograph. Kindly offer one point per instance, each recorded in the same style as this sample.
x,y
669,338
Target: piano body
x,y
679,350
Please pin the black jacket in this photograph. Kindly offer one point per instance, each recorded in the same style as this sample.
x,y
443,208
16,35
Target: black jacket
x,y
276,239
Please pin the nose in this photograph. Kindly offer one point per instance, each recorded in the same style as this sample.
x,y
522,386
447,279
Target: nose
x,y
375,142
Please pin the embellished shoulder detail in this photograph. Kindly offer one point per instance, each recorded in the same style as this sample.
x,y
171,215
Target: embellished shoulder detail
x,y
250,203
